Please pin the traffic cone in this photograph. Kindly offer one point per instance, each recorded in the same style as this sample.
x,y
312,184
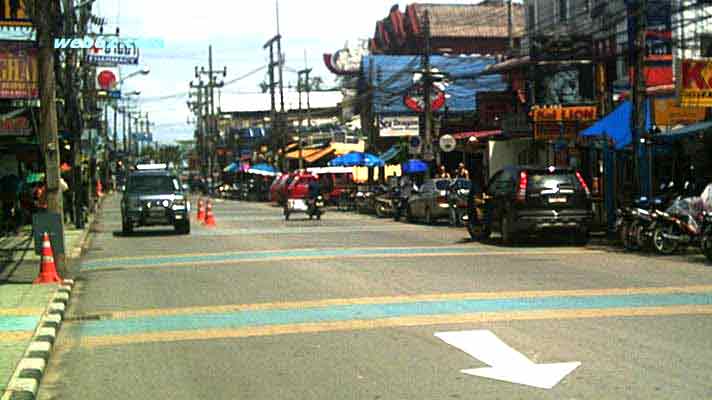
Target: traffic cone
x,y
99,189
201,210
209,217
48,271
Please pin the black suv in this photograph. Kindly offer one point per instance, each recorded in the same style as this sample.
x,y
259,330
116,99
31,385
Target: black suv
x,y
153,198
523,200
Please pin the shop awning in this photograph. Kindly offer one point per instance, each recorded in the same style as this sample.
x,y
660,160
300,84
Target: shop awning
x,y
478,134
686,131
294,155
616,125
318,155
389,155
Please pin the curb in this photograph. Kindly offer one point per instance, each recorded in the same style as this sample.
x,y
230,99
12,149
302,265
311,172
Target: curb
x,y
26,379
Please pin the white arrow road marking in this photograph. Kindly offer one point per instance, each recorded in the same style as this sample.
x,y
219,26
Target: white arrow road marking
x,y
506,364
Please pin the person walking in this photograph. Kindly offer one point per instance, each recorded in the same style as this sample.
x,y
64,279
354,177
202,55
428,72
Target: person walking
x,y
442,173
462,172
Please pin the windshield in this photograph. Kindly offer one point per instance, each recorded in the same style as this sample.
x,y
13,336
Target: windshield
x,y
153,184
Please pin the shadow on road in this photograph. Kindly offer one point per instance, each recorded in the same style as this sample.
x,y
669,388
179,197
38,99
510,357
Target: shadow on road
x,y
160,233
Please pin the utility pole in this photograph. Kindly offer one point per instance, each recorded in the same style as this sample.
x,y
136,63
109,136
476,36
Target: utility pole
x,y
427,94
639,93
275,119
197,108
212,126
44,18
510,30
300,85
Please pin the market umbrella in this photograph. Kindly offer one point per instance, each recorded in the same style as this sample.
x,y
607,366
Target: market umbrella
x,y
414,166
357,159
233,167
263,169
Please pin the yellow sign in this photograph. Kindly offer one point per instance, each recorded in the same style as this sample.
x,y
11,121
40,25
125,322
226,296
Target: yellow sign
x,y
561,122
14,13
695,84
18,73
669,113
562,113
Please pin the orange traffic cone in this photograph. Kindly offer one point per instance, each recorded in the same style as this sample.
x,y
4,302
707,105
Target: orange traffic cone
x,y
99,189
201,211
48,271
209,217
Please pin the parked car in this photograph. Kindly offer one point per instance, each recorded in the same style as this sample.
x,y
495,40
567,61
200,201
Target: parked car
x,y
521,200
430,202
457,195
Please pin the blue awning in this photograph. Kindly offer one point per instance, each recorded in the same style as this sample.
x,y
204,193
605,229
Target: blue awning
x,y
357,159
414,167
389,155
617,125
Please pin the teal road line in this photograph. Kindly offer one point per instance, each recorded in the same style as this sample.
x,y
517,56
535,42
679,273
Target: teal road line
x,y
18,324
266,255
245,319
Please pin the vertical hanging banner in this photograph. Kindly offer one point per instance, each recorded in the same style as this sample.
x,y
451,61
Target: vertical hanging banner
x,y
18,72
15,24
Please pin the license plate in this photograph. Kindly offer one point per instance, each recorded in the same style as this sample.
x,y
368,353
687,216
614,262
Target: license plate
x,y
557,200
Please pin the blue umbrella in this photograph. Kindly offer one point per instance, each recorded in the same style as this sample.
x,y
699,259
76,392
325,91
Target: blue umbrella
x,y
357,159
231,168
264,167
414,167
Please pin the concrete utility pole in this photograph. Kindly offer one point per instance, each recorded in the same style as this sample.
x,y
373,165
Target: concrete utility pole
x,y
427,94
639,93
44,18
275,118
198,108
212,126
302,84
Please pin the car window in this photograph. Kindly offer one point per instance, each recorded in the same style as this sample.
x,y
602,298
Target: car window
x,y
460,184
442,185
152,184
539,181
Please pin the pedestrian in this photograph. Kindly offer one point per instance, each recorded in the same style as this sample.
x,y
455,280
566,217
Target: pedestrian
x,y
462,172
442,173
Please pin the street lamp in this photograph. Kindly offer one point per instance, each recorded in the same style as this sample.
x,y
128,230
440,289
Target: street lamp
x,y
145,70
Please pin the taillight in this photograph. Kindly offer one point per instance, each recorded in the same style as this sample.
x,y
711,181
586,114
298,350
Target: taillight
x,y
583,183
523,182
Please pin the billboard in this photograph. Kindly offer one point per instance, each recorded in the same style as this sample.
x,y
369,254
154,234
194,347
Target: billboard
x,y
668,112
18,72
557,122
398,126
695,83
13,13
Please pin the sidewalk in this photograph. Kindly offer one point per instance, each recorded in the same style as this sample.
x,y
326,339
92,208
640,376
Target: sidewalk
x,y
22,304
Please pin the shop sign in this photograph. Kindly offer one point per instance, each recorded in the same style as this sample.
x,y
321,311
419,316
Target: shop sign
x,y
695,84
415,98
122,53
18,72
557,122
107,82
399,126
493,106
17,126
669,113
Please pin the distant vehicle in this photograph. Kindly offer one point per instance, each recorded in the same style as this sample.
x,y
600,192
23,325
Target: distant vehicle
x,y
522,200
366,195
298,186
153,198
276,189
430,203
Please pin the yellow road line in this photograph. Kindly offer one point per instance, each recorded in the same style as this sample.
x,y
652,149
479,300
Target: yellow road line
x,y
20,312
345,256
238,253
15,336
272,330
411,299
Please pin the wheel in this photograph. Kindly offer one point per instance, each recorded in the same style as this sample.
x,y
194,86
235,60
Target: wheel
x,y
318,216
707,243
379,211
479,232
182,228
409,214
126,228
663,245
626,237
506,230
286,216
428,217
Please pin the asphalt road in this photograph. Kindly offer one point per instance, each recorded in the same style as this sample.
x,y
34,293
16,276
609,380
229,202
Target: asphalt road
x,y
348,308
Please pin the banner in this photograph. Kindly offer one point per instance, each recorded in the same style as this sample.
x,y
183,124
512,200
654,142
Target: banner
x,y
695,83
13,13
399,126
18,72
558,122
16,126
118,53
668,113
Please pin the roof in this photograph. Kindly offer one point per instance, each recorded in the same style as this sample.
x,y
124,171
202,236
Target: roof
x,y
470,20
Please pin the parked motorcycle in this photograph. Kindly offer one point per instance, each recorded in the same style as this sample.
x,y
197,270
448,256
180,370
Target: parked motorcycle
x,y
706,244
635,224
685,223
315,206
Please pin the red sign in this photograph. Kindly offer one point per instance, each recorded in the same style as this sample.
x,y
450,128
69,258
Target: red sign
x,y
696,89
415,101
18,73
18,126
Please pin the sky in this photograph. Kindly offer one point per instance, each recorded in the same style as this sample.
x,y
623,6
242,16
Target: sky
x,y
237,31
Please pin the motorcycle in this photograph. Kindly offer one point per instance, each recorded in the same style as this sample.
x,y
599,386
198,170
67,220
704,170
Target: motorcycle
x,y
685,223
314,207
706,244
637,223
